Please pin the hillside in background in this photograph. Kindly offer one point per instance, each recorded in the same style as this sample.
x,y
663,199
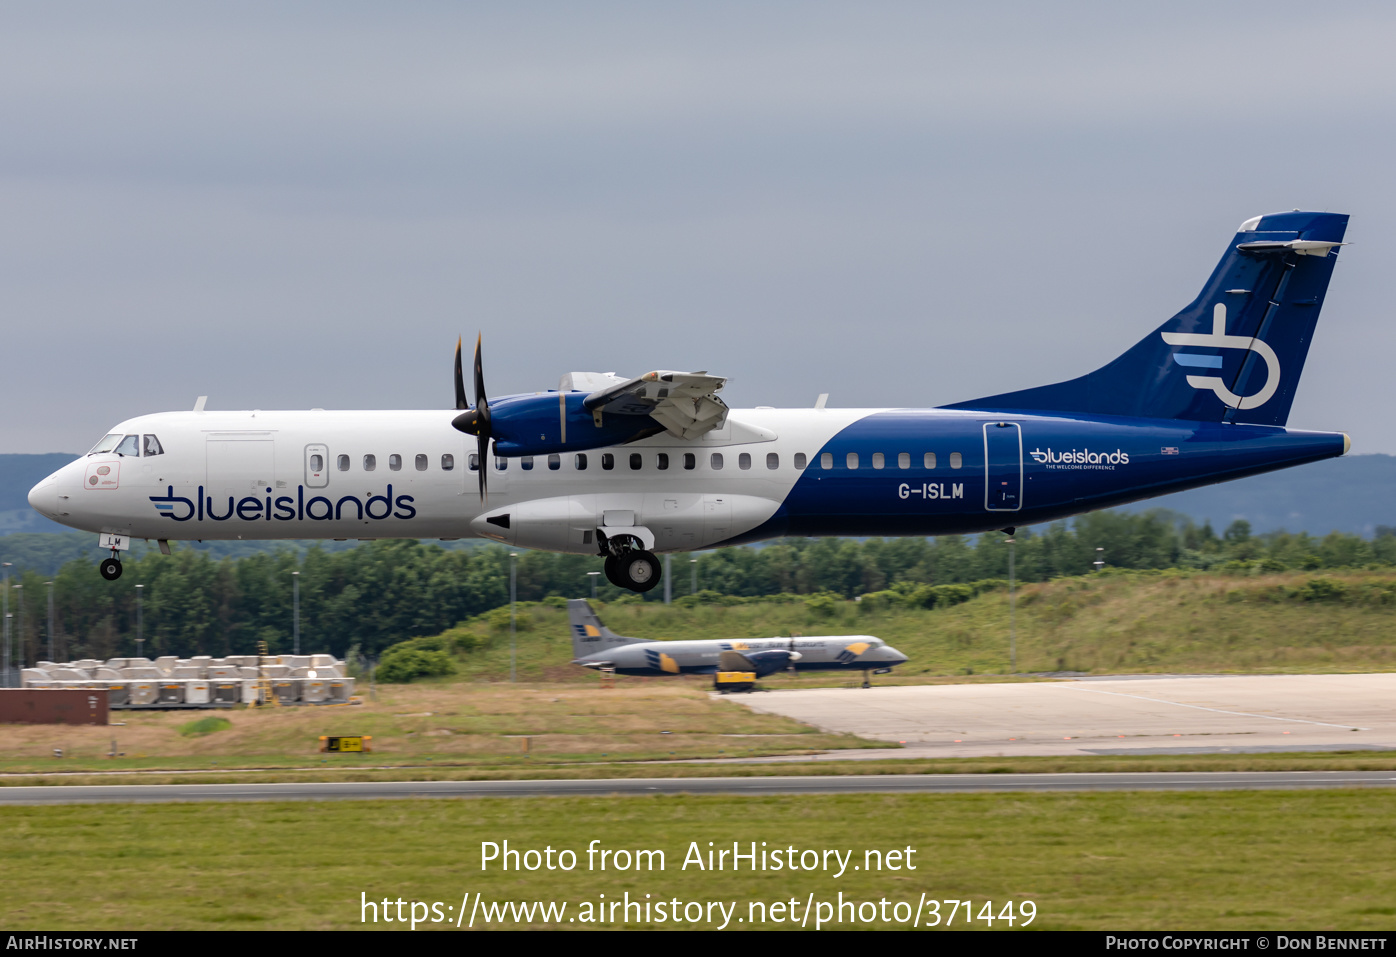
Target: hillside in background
x,y
1352,494
18,474
1116,622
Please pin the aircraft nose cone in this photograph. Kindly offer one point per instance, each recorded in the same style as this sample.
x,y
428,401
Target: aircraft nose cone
x,y
43,498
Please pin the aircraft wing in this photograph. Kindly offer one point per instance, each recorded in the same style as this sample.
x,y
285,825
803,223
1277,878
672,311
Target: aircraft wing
x,y
685,403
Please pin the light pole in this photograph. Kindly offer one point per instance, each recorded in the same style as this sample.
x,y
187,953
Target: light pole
x,y
49,585
693,587
1099,562
5,669
592,576
140,622
1012,620
19,641
296,611
513,593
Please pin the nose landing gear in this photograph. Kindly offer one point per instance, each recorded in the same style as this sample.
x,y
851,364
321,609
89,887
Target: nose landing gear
x,y
110,568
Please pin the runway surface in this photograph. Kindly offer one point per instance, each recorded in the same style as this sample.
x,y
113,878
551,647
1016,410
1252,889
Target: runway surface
x,y
844,784
1109,715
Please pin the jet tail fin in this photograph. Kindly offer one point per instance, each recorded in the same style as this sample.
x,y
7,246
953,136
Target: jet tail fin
x,y
1234,354
589,635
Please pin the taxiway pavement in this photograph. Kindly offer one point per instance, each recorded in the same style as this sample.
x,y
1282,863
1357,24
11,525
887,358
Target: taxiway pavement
x,y
841,784
1151,714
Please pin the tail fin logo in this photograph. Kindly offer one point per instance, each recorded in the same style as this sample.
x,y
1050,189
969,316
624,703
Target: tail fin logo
x,y
1218,339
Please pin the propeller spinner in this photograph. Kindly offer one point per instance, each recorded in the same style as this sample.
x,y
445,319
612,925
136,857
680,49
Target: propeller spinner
x,y
474,421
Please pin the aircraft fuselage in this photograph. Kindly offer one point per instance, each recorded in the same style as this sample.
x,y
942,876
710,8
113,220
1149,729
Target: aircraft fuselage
x,y
764,474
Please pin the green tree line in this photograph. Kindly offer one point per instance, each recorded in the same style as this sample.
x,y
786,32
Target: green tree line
x,y
381,593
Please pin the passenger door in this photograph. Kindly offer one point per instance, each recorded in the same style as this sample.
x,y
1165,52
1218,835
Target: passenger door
x,y
1003,467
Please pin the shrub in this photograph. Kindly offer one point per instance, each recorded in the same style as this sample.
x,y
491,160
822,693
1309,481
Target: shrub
x,y
400,665
1323,589
204,726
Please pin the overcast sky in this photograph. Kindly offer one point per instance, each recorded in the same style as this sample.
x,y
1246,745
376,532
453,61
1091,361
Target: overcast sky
x,y
289,205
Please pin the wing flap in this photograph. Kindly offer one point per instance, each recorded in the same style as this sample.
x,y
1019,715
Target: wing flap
x,y
684,403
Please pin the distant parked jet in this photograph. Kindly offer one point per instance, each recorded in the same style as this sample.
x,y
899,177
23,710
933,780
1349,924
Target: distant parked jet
x,y
596,646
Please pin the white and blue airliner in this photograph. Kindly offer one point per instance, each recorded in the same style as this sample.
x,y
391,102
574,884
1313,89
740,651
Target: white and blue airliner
x,y
631,468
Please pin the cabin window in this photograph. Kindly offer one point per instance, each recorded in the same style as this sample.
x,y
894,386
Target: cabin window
x,y
772,460
903,460
500,463
608,461
956,460
690,461
107,444
526,463
661,461
851,459
744,461
580,461
554,462
472,462
421,462
152,446
395,462
716,461
635,462
929,460
826,460
317,462
800,460
448,462
342,463
129,446
370,463
878,460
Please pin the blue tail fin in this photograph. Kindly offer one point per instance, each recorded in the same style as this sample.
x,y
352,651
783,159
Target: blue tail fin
x,y
1235,354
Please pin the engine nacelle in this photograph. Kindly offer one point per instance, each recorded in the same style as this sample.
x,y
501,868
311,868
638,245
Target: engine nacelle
x,y
548,422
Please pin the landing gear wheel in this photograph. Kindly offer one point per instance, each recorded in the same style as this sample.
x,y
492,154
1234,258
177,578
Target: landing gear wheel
x,y
612,568
110,569
633,570
642,569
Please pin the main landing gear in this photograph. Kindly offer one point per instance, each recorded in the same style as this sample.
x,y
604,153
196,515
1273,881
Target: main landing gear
x,y
110,568
628,565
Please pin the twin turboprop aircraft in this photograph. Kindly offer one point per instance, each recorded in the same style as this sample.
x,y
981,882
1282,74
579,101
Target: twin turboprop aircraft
x,y
596,646
627,468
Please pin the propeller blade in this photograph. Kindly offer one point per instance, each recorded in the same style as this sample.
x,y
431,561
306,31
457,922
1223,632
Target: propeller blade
x,y
460,380
482,443
475,421
482,414
480,400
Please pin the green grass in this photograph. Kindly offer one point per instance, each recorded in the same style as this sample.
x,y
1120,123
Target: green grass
x,y
1117,861
1117,622
348,767
204,726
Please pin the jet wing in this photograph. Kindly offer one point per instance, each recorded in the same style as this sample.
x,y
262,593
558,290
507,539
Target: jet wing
x,y
685,403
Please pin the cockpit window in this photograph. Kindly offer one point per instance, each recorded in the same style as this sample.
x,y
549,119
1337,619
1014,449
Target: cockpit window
x,y
151,446
107,444
129,446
